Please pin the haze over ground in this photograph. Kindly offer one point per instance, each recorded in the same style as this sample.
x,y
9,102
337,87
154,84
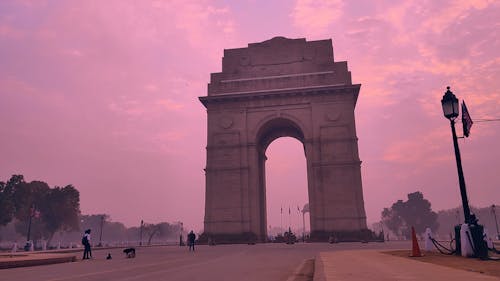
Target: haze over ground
x,y
103,95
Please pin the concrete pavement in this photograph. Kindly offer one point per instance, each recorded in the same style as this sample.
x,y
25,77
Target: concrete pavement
x,y
362,265
344,261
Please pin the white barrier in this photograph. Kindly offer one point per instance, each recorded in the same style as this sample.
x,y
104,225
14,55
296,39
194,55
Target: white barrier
x,y
465,241
428,241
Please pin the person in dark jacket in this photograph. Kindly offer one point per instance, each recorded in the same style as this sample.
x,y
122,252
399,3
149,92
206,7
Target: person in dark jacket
x,y
191,238
87,252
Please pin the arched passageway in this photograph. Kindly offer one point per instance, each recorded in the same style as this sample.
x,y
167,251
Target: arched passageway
x,y
286,188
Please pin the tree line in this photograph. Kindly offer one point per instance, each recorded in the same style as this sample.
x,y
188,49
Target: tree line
x,y
53,214
38,209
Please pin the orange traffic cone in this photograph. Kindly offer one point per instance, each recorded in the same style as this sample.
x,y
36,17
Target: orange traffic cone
x,y
415,252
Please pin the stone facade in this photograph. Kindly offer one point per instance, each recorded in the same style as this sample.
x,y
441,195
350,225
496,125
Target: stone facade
x,y
277,88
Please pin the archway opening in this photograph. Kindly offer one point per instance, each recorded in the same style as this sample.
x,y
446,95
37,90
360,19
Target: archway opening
x,y
286,188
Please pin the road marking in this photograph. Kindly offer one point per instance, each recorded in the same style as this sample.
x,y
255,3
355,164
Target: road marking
x,y
73,277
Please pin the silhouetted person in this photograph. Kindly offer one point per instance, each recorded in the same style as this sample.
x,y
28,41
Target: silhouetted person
x,y
87,252
191,238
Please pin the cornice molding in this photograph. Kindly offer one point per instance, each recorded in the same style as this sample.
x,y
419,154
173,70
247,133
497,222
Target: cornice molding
x,y
281,93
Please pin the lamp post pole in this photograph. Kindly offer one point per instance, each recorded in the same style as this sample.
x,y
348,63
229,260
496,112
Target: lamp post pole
x,y
477,245
461,180
303,227
181,243
29,226
450,110
100,234
496,221
28,236
140,242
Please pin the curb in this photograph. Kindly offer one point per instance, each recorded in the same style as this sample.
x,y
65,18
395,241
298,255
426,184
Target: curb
x,y
304,272
36,261
319,271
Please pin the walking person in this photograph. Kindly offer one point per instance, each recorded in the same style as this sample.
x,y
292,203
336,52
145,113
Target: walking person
x,y
191,238
87,252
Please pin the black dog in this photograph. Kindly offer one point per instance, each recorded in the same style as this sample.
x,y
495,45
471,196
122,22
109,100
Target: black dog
x,y
129,252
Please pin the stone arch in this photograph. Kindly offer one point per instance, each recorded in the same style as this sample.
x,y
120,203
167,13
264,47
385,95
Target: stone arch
x,y
282,87
277,127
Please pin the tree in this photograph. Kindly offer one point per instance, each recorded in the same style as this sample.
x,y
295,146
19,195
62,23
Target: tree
x,y
42,209
28,199
416,212
162,230
150,230
61,210
7,208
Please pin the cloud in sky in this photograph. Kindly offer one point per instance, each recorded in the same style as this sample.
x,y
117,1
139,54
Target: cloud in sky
x,y
103,95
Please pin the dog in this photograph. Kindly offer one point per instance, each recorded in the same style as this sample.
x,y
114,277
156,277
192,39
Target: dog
x,y
129,252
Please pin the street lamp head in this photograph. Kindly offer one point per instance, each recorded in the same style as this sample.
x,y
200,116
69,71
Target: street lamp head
x,y
450,105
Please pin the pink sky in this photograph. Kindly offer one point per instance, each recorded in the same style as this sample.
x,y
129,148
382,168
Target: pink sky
x,y
103,95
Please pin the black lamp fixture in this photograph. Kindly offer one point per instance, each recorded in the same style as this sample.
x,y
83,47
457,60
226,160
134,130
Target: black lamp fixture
x,y
450,104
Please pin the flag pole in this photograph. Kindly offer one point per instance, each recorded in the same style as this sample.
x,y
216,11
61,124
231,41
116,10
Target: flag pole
x,y
281,219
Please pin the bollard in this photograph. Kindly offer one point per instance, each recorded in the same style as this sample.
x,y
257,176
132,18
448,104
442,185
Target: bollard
x,y
44,245
14,248
428,240
465,241
59,245
32,246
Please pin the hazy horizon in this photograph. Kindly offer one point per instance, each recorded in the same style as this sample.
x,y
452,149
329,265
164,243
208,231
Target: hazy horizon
x,y
104,96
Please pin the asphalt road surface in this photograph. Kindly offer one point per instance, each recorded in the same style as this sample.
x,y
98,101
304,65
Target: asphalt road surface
x,y
261,262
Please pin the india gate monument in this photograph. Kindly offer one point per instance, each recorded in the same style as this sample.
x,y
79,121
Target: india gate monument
x,y
282,88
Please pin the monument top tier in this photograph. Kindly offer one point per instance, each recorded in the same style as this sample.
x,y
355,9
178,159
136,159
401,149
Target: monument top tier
x,y
278,64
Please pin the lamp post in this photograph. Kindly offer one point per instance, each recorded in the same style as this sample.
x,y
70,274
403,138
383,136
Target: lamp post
x,y
142,224
100,235
450,110
181,243
496,221
32,210
32,213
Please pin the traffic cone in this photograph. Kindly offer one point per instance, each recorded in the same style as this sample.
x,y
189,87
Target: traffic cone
x,y
415,252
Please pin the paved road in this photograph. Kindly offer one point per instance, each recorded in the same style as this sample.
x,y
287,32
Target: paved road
x,y
223,262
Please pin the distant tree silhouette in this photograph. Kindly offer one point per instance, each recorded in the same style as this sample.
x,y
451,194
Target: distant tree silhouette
x,y
60,210
49,209
162,229
416,212
6,204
